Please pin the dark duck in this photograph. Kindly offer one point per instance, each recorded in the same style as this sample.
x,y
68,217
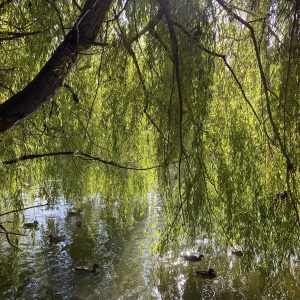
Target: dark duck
x,y
207,274
85,269
193,257
55,238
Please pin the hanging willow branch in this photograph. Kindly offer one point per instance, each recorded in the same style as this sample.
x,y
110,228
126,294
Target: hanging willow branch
x,y
7,233
175,55
223,57
283,149
7,236
289,165
149,28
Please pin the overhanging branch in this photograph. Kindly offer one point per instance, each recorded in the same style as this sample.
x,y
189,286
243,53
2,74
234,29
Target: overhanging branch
x,y
49,80
79,155
7,237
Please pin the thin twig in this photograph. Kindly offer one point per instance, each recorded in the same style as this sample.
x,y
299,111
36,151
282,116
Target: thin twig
x,y
21,209
14,233
59,17
119,13
10,35
7,237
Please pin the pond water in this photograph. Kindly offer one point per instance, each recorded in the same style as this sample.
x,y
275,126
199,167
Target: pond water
x,y
128,270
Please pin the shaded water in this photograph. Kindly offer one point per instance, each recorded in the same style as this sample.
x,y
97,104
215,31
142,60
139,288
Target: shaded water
x,y
42,270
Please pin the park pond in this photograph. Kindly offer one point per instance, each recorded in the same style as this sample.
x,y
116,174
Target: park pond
x,y
128,269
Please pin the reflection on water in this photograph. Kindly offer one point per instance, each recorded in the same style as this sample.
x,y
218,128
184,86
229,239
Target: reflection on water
x,y
42,270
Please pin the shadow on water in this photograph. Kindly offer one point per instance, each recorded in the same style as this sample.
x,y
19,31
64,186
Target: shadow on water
x,y
43,270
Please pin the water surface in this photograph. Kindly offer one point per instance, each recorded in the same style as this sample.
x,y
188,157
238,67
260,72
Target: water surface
x,y
128,270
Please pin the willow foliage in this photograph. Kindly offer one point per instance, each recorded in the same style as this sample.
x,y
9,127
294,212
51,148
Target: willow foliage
x,y
196,99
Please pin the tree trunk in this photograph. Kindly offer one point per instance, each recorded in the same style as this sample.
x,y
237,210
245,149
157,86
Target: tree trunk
x,y
50,78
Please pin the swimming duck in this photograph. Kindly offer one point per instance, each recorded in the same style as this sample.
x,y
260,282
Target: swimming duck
x,y
237,253
31,224
207,274
85,269
193,257
75,212
55,239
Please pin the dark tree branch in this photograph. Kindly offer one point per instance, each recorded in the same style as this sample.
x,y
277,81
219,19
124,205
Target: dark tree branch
x,y
77,5
149,27
74,95
25,208
7,237
79,155
119,13
50,79
17,35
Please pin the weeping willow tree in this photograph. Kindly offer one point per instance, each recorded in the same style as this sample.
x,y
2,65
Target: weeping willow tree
x,y
198,100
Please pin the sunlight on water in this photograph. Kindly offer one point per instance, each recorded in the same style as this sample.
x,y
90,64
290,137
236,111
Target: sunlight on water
x,y
128,270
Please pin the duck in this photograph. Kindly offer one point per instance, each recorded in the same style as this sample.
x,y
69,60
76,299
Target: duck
x,y
207,274
237,253
33,224
75,212
55,239
193,257
79,223
85,269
